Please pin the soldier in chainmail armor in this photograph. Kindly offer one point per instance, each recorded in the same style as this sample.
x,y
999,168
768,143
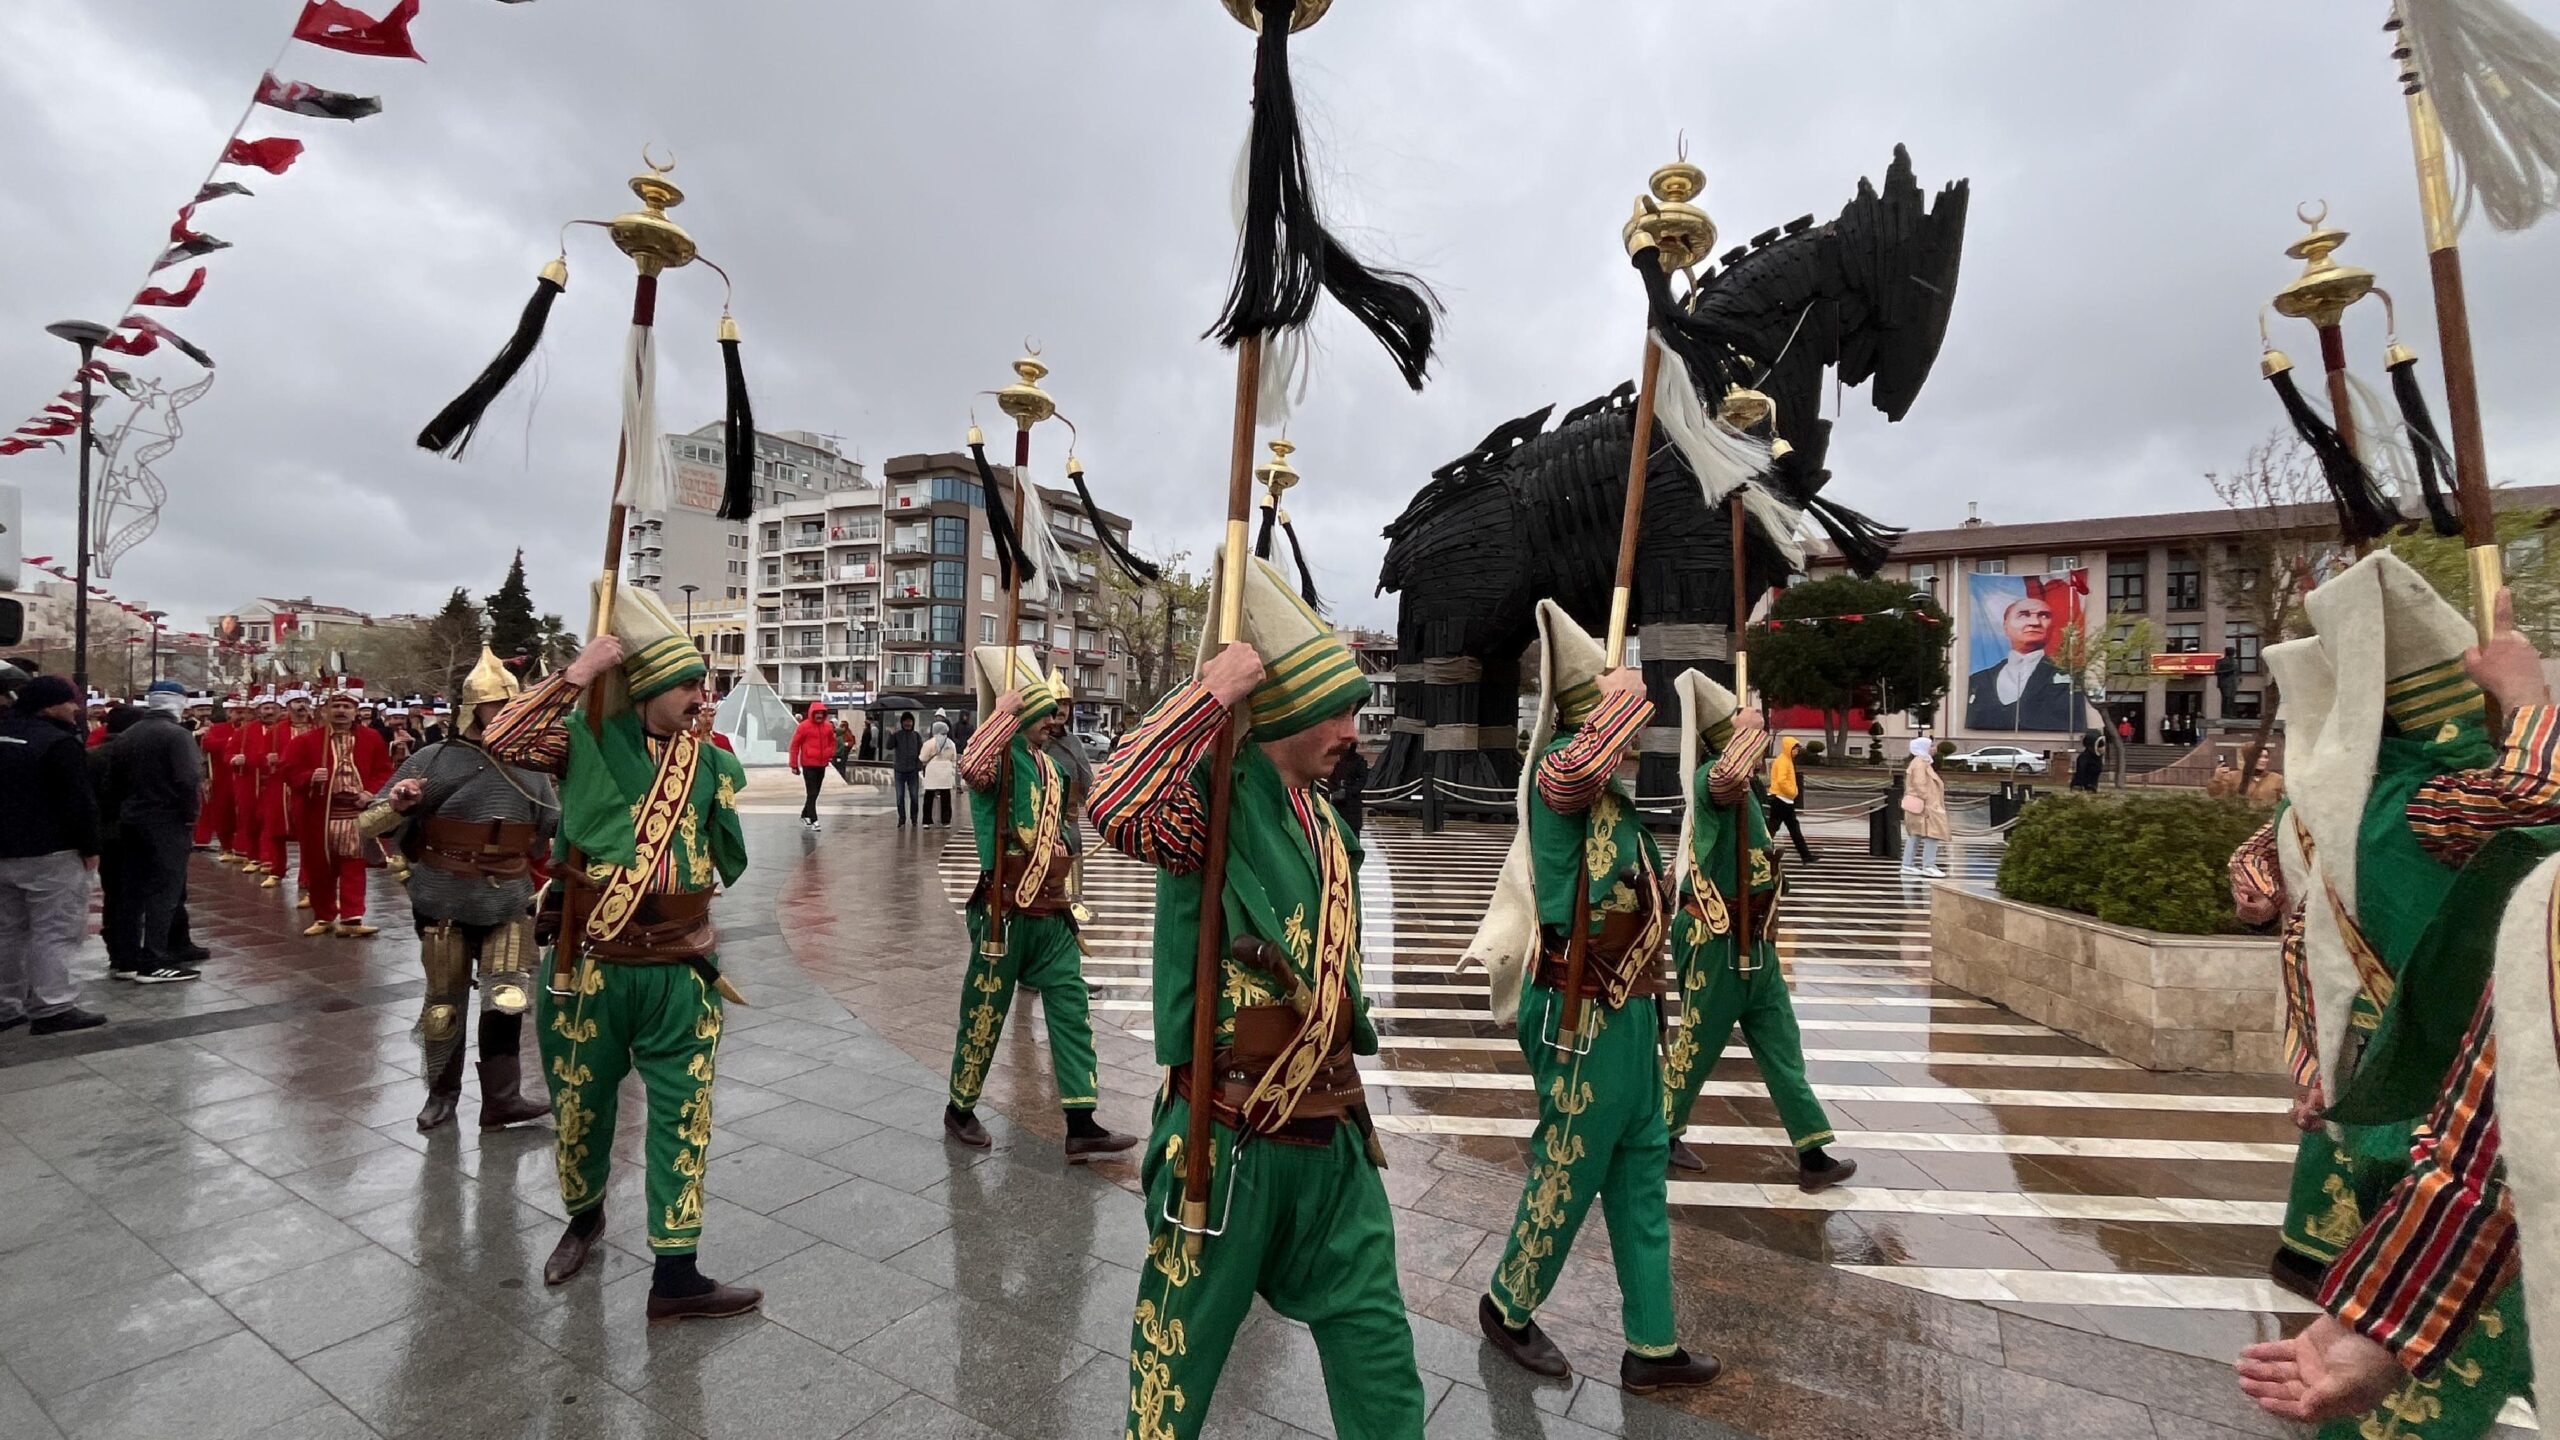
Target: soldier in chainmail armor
x,y
469,824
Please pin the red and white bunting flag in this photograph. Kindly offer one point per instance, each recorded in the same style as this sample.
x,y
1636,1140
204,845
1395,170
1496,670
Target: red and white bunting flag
x,y
275,154
153,329
216,189
333,26
42,428
134,345
177,299
301,99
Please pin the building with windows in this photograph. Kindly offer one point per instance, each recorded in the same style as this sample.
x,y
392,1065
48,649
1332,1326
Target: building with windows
x,y
2180,572
689,544
1375,650
863,593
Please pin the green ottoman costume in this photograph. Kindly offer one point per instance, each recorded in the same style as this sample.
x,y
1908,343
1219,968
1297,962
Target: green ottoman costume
x,y
655,820
2369,783
1573,942
1039,949
1298,1214
1717,991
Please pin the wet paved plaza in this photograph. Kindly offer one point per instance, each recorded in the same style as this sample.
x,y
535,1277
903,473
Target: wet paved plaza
x,y
218,1220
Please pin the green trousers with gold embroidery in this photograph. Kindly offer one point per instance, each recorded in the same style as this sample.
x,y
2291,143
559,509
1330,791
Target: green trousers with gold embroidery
x,y
1309,1231
664,1022
1041,953
2338,1181
1714,997
1600,1135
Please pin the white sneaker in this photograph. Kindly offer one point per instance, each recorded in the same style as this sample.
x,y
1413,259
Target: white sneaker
x,y
1910,869
1933,872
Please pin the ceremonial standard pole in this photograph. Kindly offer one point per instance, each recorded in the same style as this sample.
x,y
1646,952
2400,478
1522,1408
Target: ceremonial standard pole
x,y
2453,337
88,335
1028,405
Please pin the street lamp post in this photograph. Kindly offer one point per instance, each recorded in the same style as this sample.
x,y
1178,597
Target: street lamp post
x,y
88,335
688,615
155,617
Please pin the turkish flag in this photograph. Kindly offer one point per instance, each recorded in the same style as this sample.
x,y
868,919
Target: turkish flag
x,y
177,299
12,445
311,100
333,26
135,345
41,428
275,154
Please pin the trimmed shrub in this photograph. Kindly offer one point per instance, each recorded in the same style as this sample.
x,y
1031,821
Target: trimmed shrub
x,y
1809,753
2154,862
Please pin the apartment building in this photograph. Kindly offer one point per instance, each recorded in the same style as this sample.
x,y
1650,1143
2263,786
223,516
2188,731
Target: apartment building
x,y
688,544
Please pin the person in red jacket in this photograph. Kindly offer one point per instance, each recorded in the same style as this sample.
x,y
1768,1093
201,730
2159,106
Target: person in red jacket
x,y
310,863
331,770
253,771
213,822
813,745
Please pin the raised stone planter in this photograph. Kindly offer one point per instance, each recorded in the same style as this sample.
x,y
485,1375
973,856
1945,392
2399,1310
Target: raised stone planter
x,y
2164,1002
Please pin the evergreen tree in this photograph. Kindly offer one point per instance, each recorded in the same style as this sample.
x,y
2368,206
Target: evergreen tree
x,y
449,645
512,628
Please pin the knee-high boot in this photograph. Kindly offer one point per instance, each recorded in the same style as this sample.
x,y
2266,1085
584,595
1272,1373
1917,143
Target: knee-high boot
x,y
502,1097
444,1088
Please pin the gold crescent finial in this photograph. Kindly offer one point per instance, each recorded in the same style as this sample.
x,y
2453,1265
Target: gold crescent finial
x,y
654,163
1030,346
2310,221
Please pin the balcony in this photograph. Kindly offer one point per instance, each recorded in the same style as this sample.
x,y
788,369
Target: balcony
x,y
808,540
805,613
866,572
854,534
805,577
802,652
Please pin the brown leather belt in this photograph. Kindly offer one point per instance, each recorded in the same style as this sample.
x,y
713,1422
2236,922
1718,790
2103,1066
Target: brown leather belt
x,y
667,930
1764,909
1262,1031
1055,897
1606,955
496,849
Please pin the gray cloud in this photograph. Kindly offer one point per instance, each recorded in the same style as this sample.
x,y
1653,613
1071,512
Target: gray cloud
x,y
905,192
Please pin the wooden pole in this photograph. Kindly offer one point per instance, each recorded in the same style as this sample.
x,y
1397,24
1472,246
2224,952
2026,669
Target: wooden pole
x,y
1743,955
573,915
1206,967
992,943
1630,521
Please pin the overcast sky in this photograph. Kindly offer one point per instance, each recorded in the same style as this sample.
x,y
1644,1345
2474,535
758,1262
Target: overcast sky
x,y
904,192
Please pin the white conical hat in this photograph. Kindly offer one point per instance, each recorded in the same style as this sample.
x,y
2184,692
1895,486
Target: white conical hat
x,y
2386,646
1570,664
1309,674
994,678
1704,705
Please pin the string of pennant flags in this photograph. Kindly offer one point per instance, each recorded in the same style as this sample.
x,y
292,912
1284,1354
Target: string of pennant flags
x,y
101,592
1809,622
327,24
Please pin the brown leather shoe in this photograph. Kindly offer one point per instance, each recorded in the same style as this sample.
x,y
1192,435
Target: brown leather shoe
x,y
717,1303
1679,1369
1684,1158
1814,1182
1109,1142
502,1098
963,1126
570,1256
1527,1347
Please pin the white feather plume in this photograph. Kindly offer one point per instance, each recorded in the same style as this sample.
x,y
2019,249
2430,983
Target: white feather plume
x,y
644,480
2494,75
1723,457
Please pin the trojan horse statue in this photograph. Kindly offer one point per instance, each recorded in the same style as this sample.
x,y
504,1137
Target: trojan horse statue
x,y
1533,513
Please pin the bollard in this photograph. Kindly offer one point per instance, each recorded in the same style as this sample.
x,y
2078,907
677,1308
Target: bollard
x,y
1884,827
1433,816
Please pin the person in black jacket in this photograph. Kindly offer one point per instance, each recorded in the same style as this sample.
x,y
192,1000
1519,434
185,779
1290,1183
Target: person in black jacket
x,y
48,846
155,777
2087,766
906,770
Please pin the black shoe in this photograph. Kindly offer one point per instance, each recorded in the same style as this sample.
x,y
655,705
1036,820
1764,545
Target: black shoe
x,y
1081,1148
12,1023
1684,1158
1642,1376
717,1303
63,1021
1813,1180
963,1126
1527,1347
165,975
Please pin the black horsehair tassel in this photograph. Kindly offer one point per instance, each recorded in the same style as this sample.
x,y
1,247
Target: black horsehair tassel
x,y
2365,514
1284,255
1864,542
2435,463
1306,577
1010,556
738,494
1262,532
1130,565
1705,347
450,432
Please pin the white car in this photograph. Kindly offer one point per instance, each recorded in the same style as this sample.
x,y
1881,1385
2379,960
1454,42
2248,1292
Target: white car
x,y
2001,757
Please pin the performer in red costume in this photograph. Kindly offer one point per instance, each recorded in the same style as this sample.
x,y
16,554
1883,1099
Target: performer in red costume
x,y
331,770
259,796
213,819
